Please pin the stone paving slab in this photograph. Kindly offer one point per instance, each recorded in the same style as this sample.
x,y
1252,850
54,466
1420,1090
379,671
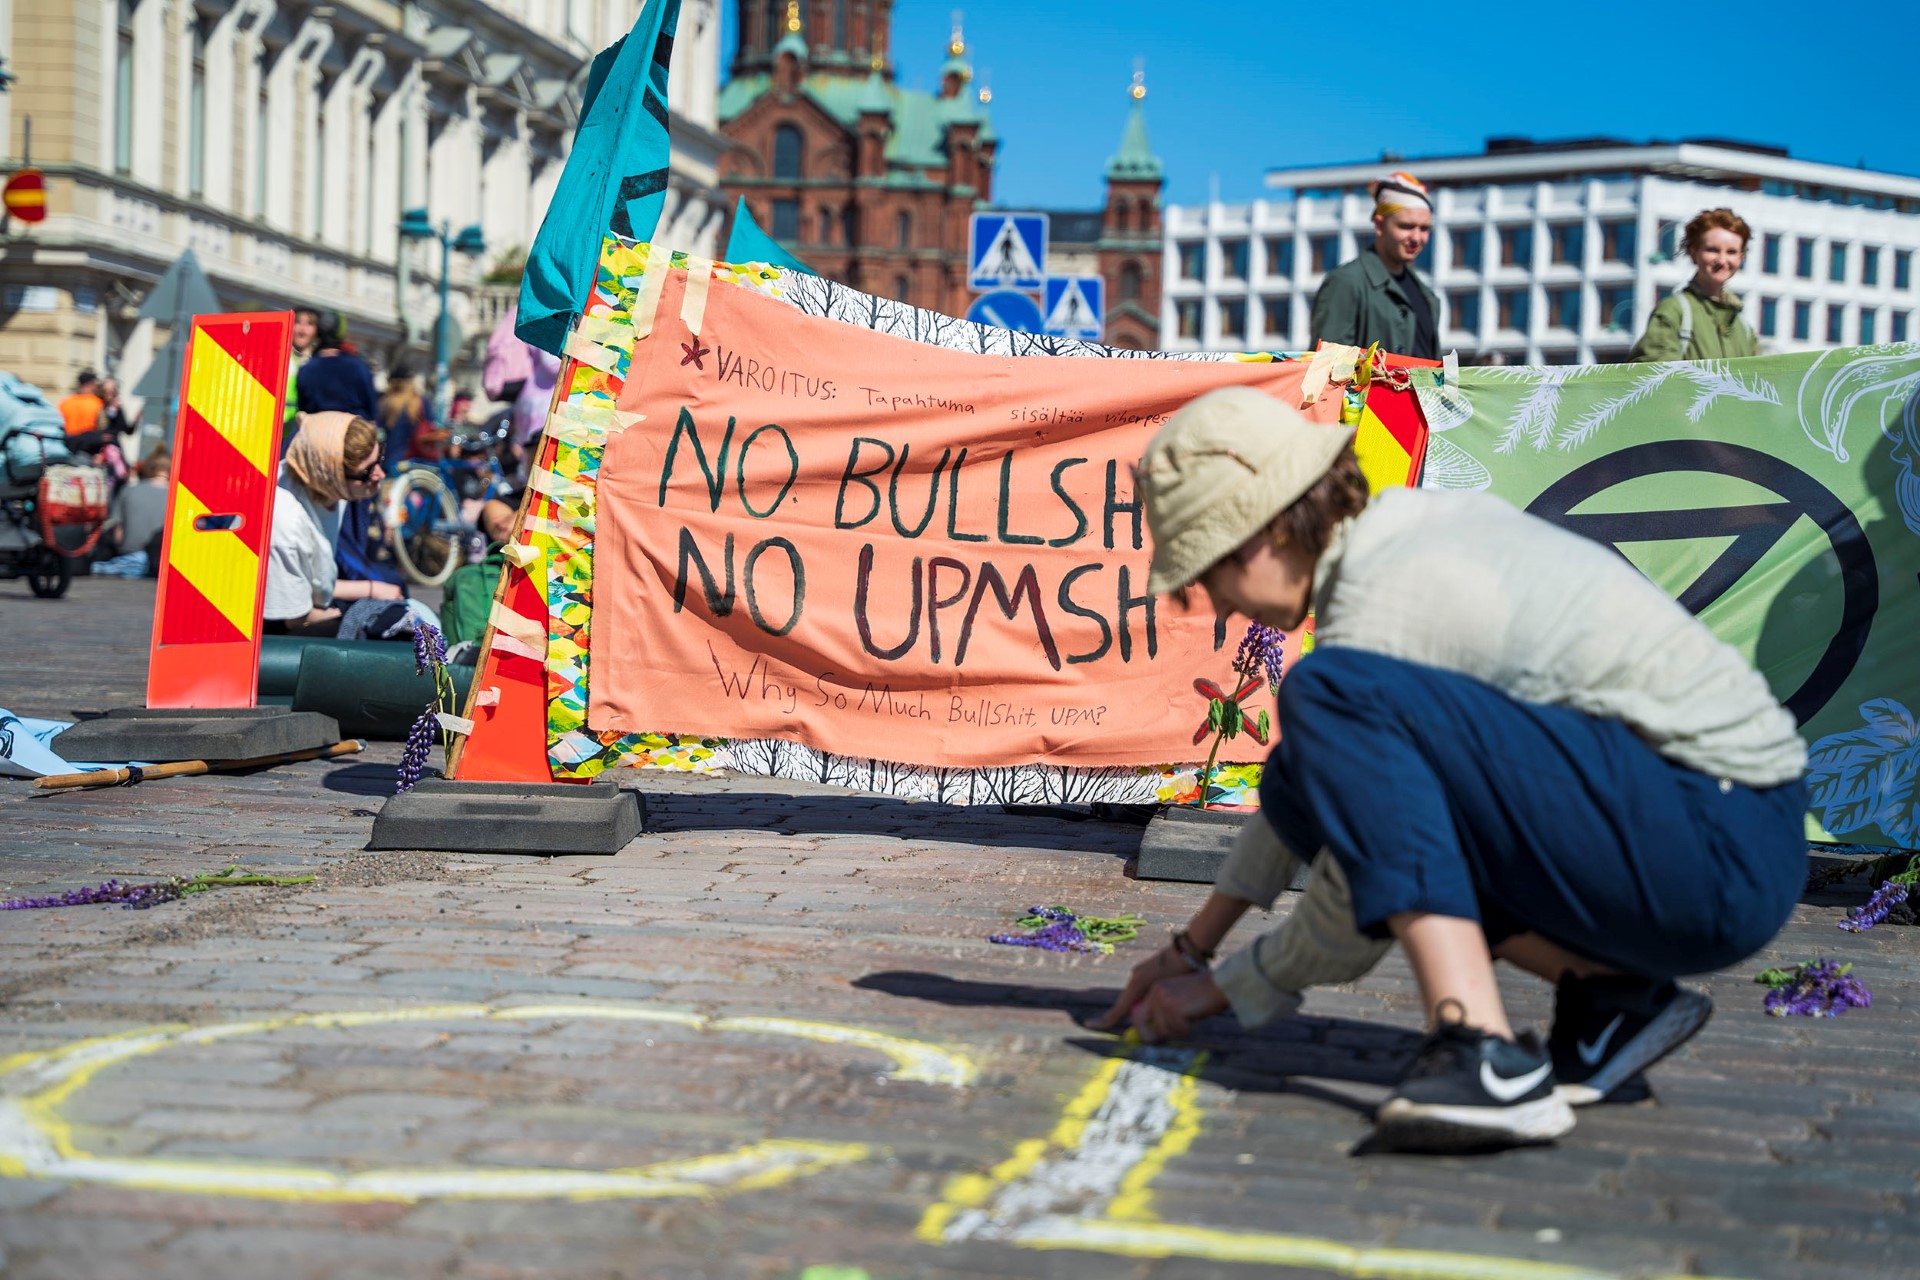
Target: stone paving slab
x,y
1773,1149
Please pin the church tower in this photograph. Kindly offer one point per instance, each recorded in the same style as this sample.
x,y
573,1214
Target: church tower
x,y
1129,245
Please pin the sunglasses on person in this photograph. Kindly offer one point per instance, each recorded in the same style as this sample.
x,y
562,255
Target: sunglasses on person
x,y
365,473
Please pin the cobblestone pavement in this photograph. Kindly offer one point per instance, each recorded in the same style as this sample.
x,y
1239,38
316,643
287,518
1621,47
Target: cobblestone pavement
x,y
770,1039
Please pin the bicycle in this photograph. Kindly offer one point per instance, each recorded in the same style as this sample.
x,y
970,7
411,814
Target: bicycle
x,y
422,519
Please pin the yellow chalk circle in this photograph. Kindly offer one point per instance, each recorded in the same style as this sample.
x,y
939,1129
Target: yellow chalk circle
x,y
36,1142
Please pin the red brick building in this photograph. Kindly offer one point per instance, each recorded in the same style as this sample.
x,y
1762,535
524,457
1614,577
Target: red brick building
x,y
873,185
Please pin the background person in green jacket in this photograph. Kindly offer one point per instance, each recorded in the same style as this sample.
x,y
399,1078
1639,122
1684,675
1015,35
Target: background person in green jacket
x,y
1701,320
1378,297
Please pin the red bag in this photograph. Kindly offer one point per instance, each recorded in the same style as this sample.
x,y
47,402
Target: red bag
x,y
73,495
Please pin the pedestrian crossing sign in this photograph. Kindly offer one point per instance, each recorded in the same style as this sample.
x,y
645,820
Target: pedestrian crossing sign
x,y
1009,251
1073,307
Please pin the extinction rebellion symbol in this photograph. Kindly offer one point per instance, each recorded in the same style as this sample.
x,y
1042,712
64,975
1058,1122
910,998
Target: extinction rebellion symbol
x,y
1754,527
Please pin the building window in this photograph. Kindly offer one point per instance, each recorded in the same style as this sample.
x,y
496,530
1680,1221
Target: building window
x,y
902,288
1189,317
787,163
123,91
1233,259
1837,263
1280,256
1323,251
1770,255
1897,327
1274,316
827,219
1469,250
1836,316
1673,239
839,24
903,231
1869,266
1616,308
260,146
1617,241
850,226
786,220
1563,308
1902,268
1233,319
1569,242
1513,309
1866,326
1769,317
1563,355
1463,310
771,35
1123,216
1802,321
1129,282
317,177
1803,258
1516,247
197,111
1193,260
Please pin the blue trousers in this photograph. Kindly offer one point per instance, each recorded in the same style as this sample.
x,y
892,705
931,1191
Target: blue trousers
x,y
1439,793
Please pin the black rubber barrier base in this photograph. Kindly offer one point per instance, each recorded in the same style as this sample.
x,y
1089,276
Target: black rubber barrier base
x,y
510,817
163,735
1192,845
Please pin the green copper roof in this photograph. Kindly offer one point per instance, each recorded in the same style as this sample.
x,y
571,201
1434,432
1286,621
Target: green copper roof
x,y
1135,159
873,94
794,43
919,119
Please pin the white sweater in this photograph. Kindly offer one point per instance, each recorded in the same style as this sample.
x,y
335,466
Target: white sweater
x,y
1468,583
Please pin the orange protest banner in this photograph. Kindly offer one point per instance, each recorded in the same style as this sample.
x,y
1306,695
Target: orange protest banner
x,y
213,569
895,550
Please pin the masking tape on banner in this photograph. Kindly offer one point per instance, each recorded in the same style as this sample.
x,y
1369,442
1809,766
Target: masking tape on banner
x,y
1331,362
589,415
504,643
622,419
693,303
646,300
575,531
571,431
453,723
605,359
522,556
551,484
505,620
608,333
487,697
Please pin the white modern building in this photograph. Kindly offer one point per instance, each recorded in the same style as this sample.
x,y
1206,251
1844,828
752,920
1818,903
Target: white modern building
x,y
282,140
1555,253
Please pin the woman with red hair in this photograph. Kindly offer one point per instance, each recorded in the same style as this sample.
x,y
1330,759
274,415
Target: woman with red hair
x,y
1701,319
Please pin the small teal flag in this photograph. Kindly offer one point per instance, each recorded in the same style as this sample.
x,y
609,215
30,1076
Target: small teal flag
x,y
615,179
748,243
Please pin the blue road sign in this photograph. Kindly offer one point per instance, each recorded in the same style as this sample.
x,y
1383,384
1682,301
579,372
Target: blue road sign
x,y
1009,251
1074,307
1008,310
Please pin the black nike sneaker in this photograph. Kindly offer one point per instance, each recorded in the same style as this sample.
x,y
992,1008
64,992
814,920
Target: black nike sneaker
x,y
1470,1091
1607,1030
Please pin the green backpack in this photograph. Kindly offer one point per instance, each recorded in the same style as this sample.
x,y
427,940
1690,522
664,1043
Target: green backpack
x,y
469,597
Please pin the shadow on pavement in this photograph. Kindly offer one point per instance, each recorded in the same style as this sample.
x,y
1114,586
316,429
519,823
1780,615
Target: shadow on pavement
x,y
786,813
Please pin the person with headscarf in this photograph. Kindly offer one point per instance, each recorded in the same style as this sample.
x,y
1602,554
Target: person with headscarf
x,y
334,461
1379,297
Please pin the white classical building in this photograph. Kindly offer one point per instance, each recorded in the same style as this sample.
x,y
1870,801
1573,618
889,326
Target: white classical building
x,y
1555,253
282,139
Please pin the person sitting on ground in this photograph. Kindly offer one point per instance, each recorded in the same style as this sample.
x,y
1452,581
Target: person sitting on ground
x,y
332,462
1379,297
1701,319
468,598
136,523
1578,777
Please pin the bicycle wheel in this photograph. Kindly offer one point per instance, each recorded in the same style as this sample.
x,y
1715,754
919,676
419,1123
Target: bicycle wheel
x,y
423,521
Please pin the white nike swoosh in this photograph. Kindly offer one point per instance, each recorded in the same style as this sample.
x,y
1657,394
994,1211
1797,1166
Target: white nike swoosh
x,y
1505,1090
1590,1053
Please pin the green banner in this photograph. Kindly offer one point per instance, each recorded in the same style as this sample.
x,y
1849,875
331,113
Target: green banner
x,y
1777,498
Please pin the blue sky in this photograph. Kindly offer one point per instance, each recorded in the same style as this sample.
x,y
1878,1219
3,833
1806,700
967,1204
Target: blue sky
x,y
1236,87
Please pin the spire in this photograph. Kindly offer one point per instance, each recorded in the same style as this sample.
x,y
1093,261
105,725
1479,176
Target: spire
x,y
956,72
793,42
1135,160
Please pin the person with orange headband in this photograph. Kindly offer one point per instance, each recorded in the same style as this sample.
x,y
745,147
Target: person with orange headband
x,y
1379,297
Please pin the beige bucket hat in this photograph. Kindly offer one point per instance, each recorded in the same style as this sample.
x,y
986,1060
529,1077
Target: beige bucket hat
x,y
1220,470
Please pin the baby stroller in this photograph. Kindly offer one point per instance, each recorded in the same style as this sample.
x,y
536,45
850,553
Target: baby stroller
x,y
32,439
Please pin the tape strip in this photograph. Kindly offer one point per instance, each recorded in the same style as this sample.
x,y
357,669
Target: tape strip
x,y
452,723
693,303
646,301
609,333
522,556
487,697
605,359
623,419
505,621
504,643
1331,362
551,484
573,432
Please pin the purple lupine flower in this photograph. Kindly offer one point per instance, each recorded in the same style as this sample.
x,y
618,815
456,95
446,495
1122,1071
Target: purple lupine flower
x,y
1261,650
413,757
429,647
1889,895
1816,989
136,897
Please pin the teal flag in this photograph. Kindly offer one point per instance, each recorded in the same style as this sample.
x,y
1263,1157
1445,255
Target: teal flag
x,y
615,179
748,243
1777,498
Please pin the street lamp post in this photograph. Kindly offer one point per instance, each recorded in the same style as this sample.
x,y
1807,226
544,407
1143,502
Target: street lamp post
x,y
415,225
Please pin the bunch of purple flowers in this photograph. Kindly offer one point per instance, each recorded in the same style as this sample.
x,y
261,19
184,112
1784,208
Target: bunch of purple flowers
x,y
429,659
1893,891
1818,988
138,897
1058,929
1262,650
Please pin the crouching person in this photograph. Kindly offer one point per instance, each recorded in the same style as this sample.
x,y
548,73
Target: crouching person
x,y
1507,743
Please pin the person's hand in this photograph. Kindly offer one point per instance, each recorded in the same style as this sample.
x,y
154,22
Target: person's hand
x,y
385,591
1175,1004
1162,964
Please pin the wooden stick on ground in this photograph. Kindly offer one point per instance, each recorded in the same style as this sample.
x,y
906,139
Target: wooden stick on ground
x,y
188,768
